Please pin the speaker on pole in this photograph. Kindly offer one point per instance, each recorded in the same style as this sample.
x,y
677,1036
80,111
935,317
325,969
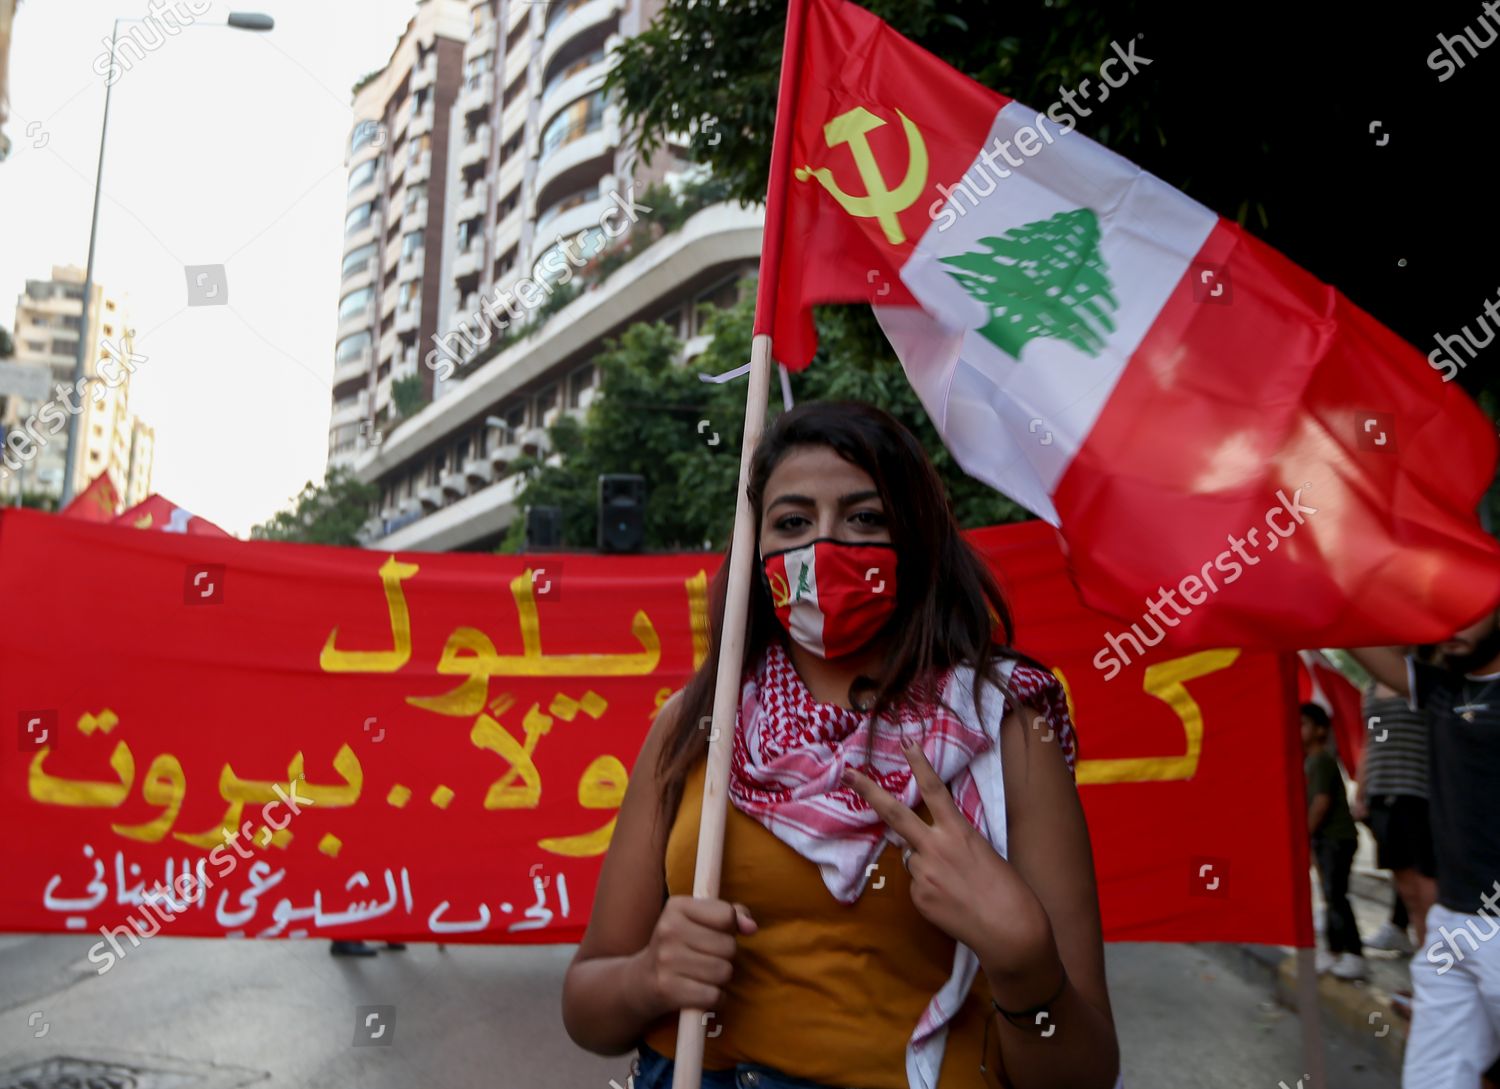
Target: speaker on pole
x,y
622,512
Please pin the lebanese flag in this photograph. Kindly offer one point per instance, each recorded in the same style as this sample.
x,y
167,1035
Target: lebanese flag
x,y
157,512
1206,423
1320,681
96,503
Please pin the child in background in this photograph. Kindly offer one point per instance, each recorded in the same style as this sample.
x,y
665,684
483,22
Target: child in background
x,y
1333,840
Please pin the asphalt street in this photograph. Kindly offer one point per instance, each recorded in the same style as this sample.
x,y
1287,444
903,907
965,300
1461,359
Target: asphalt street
x,y
185,1013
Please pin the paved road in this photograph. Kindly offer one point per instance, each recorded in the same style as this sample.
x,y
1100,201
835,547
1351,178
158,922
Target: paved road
x,y
213,1014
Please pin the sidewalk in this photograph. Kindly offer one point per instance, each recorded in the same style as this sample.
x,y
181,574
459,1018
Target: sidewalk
x,y
1371,1010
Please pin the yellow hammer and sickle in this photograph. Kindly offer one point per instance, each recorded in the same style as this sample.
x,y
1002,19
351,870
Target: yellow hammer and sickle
x,y
781,593
879,201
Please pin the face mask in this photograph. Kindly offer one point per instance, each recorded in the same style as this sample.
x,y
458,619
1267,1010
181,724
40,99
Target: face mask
x,y
832,597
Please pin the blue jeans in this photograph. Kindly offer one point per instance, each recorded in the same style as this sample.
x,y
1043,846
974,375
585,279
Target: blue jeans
x,y
656,1073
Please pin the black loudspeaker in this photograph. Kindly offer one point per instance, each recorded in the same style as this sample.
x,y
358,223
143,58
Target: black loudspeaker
x,y
543,527
622,512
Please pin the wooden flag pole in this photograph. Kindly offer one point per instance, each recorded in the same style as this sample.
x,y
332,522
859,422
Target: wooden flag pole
x,y
687,1071
1309,1014
692,1024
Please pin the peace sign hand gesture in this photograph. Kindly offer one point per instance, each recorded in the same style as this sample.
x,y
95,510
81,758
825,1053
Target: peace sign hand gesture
x,y
959,882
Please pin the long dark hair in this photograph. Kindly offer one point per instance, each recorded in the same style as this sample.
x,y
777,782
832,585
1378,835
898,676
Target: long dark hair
x,y
949,609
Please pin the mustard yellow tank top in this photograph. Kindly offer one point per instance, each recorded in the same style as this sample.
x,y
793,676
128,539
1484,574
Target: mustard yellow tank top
x,y
825,991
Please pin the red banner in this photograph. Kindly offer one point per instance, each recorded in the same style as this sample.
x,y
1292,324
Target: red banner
x,y
220,737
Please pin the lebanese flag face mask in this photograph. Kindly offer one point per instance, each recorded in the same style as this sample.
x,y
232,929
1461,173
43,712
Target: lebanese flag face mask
x,y
832,597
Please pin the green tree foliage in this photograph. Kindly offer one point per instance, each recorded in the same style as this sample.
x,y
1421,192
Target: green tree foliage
x,y
7,345
329,513
656,417
408,396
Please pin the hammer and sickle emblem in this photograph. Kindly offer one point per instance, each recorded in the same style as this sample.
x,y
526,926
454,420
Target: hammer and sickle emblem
x,y
880,202
781,593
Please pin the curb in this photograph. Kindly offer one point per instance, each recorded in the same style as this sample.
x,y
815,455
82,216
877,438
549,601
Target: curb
x,y
1360,1012
1361,1009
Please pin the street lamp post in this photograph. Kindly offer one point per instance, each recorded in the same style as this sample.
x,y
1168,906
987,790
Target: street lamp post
x,y
240,20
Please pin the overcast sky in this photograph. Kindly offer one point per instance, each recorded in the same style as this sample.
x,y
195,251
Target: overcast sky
x,y
225,147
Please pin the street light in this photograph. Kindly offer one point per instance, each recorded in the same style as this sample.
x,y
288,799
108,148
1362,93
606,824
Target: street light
x,y
239,20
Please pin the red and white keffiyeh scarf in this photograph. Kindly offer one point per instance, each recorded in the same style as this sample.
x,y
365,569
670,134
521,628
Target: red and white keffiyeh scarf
x,y
789,755
790,751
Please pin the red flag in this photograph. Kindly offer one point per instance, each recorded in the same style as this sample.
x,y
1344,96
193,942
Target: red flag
x,y
156,512
96,503
1319,681
1205,422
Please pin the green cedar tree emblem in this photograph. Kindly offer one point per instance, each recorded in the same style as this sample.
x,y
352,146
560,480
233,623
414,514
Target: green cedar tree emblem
x,y
1042,279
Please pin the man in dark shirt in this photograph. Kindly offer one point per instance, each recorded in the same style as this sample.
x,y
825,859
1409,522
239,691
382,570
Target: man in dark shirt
x,y
1334,839
1455,1032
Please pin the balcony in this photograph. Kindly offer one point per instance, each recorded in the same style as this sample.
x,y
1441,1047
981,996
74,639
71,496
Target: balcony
x,y
354,367
588,144
350,411
415,217
512,171
516,60
481,41
405,365
582,79
361,275
473,203
479,471
468,260
364,233
503,456
455,485
408,317
389,258
424,74
385,351
570,220
478,93
410,267
421,123
360,319
508,232
419,169
387,305
519,16
476,150
370,187
534,441
567,20
430,496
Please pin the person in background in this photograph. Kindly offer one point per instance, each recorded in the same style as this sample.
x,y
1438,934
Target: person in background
x,y
1391,797
340,948
1455,1028
1333,839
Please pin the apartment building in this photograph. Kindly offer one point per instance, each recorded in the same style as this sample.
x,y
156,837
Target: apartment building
x,y
48,325
393,251
541,173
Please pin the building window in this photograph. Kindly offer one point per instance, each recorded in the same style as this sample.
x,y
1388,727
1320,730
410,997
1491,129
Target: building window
x,y
365,133
363,174
356,259
351,346
411,244
577,66
415,194
573,123
582,379
355,301
359,218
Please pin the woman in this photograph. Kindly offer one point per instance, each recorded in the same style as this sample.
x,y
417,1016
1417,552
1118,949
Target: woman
x,y
870,934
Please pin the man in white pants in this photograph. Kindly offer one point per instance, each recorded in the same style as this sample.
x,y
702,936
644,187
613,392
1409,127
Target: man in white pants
x,y
1455,1029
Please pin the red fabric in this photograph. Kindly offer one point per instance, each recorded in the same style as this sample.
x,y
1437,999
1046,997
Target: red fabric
x,y
205,658
1224,406
157,512
852,60
96,503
